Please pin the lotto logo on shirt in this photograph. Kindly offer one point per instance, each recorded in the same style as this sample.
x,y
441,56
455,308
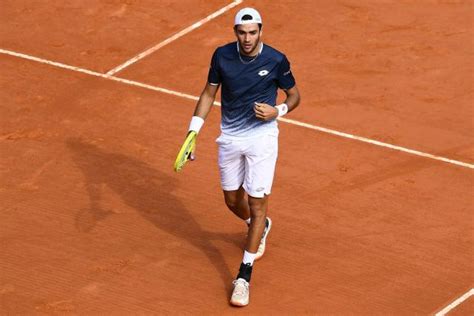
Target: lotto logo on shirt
x,y
262,73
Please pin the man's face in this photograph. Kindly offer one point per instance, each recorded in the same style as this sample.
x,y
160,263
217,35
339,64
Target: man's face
x,y
248,36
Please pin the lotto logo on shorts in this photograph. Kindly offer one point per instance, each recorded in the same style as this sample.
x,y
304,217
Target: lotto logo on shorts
x,y
262,73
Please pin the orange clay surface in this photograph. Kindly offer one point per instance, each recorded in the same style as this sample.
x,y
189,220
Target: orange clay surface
x,y
93,220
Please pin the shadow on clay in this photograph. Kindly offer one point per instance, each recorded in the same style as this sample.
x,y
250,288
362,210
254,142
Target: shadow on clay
x,y
148,191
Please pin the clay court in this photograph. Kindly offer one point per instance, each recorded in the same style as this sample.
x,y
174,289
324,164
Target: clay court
x,y
372,204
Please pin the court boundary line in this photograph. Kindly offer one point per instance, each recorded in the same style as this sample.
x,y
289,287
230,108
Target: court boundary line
x,y
282,119
455,303
174,37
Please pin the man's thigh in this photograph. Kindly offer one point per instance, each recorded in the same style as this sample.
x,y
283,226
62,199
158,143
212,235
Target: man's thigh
x,y
231,164
261,160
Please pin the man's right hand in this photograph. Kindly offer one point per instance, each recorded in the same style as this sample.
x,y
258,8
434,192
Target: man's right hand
x,y
265,112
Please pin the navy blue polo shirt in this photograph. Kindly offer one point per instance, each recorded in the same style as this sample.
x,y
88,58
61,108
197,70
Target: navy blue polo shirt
x,y
246,80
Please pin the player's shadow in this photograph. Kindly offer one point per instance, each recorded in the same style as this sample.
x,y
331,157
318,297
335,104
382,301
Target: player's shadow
x,y
148,191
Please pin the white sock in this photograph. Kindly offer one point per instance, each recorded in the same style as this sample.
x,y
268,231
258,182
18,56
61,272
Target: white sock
x,y
248,220
249,257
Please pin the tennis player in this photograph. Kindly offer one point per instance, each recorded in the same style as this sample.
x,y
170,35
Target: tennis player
x,y
250,73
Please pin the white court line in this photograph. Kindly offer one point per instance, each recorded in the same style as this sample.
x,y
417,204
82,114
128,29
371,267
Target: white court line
x,y
451,306
98,74
377,143
174,37
195,98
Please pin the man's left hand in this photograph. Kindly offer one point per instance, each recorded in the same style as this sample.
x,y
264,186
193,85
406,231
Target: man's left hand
x,y
265,112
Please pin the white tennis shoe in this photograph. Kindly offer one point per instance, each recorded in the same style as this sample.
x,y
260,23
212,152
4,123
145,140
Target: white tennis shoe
x,y
261,247
241,293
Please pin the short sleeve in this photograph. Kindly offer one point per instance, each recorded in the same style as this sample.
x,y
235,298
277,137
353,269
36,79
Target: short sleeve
x,y
285,77
214,76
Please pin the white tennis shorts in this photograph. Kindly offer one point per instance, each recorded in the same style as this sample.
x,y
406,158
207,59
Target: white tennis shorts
x,y
248,162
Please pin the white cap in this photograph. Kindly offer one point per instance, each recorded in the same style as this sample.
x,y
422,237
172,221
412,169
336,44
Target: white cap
x,y
256,18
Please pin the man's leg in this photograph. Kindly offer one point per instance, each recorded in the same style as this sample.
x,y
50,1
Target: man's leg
x,y
237,203
260,159
258,211
258,214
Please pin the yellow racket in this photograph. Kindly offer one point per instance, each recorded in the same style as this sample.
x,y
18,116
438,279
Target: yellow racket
x,y
185,153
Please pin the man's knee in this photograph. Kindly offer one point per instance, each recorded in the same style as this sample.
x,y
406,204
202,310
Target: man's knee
x,y
232,200
231,203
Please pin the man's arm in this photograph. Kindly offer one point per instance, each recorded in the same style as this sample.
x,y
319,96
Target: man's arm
x,y
292,98
267,112
203,107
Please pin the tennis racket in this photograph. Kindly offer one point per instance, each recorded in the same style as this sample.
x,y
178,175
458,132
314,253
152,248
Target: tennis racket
x,y
186,151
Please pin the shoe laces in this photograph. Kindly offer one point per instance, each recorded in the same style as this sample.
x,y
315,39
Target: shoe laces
x,y
241,286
